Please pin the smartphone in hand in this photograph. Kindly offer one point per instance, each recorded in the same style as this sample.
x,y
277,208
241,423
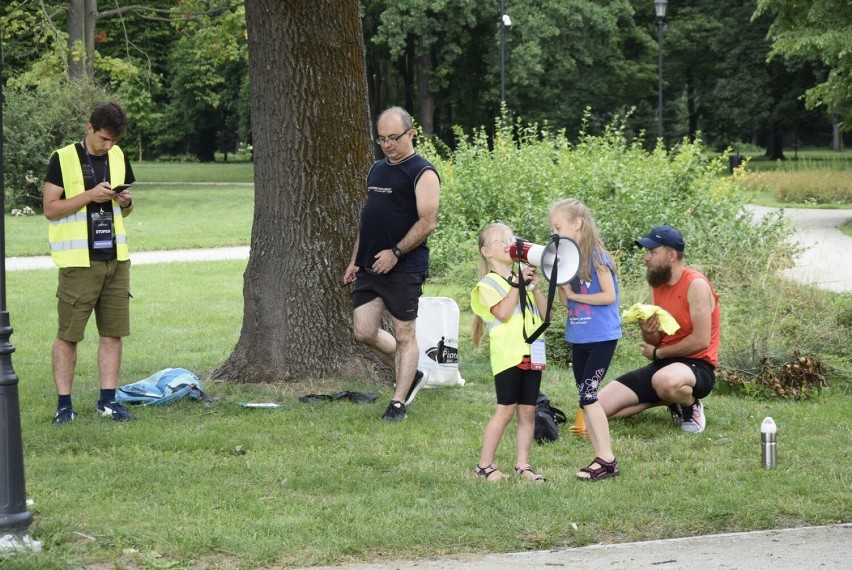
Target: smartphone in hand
x,y
121,188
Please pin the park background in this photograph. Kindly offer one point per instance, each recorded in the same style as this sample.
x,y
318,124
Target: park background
x,y
222,486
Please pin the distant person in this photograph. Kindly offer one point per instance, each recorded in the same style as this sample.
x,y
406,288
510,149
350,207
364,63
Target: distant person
x,y
86,198
683,364
496,303
593,326
390,258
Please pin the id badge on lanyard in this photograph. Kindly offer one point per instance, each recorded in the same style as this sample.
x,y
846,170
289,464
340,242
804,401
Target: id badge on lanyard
x,y
538,359
102,237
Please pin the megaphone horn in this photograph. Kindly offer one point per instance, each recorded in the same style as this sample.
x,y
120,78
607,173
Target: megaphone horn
x,y
561,254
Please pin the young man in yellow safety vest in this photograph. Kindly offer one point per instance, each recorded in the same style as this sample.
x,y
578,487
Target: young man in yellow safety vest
x,y
86,197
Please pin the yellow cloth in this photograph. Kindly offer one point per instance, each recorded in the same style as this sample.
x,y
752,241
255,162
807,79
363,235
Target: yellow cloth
x,y
641,312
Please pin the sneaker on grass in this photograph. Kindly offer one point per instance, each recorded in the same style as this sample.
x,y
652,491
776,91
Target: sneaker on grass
x,y
395,412
114,411
64,416
677,413
693,418
416,385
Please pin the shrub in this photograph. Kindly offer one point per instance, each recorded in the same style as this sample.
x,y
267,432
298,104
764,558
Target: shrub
x,y
515,176
36,123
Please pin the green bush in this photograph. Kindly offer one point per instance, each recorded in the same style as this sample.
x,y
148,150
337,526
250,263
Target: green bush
x,y
37,122
516,176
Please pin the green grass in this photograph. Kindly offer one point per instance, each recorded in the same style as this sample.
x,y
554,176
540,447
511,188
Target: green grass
x,y
846,227
216,172
221,486
808,159
165,217
331,483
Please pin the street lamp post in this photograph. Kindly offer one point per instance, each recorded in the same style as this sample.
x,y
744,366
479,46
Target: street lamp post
x,y
15,519
660,8
505,22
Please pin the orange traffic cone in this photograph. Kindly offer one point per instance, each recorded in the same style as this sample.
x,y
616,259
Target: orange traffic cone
x,y
579,427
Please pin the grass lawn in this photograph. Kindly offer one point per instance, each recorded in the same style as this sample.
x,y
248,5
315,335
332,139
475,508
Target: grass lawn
x,y
222,486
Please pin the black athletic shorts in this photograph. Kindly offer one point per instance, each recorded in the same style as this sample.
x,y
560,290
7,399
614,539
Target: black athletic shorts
x,y
639,380
517,386
399,291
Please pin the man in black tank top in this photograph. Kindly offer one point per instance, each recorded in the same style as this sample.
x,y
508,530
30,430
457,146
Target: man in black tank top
x,y
390,258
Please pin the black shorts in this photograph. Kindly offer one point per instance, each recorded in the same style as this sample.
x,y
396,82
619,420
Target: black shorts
x,y
639,380
516,386
399,291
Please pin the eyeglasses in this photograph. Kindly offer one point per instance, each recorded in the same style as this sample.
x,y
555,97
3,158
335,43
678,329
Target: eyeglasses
x,y
393,138
502,241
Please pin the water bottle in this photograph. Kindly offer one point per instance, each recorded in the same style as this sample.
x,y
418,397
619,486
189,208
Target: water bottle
x,y
767,443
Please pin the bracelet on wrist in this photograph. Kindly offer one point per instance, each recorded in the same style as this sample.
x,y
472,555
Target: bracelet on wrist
x,y
654,354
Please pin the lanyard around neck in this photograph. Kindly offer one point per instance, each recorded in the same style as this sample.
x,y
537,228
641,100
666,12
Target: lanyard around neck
x,y
92,166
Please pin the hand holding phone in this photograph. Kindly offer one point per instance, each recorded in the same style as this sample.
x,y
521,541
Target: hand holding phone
x,y
120,188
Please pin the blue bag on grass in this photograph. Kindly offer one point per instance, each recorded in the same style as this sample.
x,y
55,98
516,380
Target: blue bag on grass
x,y
161,388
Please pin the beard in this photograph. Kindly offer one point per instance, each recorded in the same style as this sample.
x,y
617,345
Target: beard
x,y
657,276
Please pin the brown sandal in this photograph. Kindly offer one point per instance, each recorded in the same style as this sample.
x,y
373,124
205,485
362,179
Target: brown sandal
x,y
604,470
526,472
489,473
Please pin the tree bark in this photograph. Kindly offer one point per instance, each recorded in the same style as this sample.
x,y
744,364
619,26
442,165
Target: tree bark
x,y
424,95
311,135
76,27
82,18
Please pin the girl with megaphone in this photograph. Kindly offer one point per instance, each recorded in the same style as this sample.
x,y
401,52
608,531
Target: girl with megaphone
x,y
517,378
593,326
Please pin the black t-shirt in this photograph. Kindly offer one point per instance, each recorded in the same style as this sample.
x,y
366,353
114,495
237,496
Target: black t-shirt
x,y
95,171
390,211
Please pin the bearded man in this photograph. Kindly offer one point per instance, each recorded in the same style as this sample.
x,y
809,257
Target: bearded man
x,y
683,364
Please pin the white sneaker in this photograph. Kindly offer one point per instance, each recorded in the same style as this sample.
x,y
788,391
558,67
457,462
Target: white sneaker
x,y
418,383
697,421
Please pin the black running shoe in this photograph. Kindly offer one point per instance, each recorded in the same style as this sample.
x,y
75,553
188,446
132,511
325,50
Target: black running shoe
x,y
64,416
395,412
115,412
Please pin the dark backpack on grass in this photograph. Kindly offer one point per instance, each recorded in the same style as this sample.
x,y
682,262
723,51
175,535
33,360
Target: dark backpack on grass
x,y
547,420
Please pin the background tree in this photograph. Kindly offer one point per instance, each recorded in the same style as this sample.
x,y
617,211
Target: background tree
x,y
817,30
311,132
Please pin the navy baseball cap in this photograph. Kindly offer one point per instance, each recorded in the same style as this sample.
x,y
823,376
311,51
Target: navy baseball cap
x,y
662,235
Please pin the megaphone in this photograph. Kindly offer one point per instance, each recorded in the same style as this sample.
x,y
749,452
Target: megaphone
x,y
561,253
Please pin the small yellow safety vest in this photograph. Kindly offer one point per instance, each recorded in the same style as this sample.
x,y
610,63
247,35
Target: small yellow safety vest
x,y
506,338
69,236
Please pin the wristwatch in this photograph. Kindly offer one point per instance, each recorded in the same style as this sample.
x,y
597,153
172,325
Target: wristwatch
x,y
395,250
654,354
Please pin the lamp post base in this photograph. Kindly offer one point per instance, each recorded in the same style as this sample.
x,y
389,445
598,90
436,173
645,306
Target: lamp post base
x,y
18,542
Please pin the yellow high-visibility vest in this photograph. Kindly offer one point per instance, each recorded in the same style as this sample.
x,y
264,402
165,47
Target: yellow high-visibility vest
x,y
69,235
506,338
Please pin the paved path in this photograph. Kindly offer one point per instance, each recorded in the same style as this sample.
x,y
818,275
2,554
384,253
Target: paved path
x,y
141,257
828,547
826,261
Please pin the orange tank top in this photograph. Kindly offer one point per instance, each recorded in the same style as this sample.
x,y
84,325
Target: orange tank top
x,y
673,298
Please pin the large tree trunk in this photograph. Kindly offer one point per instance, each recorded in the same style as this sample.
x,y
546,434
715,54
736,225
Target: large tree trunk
x,y
311,134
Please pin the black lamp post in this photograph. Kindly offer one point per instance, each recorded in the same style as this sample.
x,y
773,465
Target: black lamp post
x,y
505,22
15,519
660,8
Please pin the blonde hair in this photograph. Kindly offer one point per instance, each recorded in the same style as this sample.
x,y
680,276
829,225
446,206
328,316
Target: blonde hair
x,y
485,234
590,238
